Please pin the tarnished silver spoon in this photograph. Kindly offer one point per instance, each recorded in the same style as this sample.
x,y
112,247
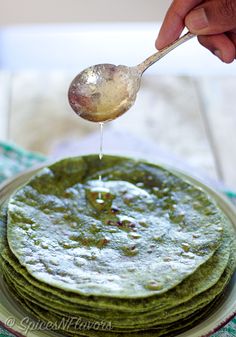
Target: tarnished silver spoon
x,y
105,91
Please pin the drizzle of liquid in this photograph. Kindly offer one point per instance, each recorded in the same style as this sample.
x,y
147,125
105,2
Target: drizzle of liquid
x,y
99,200
101,141
99,196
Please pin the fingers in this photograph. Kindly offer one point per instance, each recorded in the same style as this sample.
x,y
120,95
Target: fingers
x,y
212,17
174,21
232,36
221,45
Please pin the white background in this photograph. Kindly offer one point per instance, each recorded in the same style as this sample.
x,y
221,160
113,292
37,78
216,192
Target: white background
x,y
49,11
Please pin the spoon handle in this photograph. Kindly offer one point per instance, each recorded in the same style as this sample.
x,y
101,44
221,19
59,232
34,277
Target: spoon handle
x,y
157,56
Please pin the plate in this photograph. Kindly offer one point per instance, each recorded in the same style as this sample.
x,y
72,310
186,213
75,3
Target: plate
x,y
20,323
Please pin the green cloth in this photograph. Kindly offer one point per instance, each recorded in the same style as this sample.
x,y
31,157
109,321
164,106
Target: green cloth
x,y
13,160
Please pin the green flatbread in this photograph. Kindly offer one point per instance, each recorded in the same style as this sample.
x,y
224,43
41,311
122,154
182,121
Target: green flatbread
x,y
84,328
62,236
207,275
144,250
161,317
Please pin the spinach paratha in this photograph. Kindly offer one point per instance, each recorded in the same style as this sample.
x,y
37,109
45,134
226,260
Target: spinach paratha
x,y
152,258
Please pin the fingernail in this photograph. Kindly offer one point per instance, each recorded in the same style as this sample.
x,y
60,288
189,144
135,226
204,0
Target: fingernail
x,y
197,19
217,53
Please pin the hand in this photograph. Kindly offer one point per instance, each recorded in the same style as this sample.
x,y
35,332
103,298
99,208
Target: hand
x,y
214,21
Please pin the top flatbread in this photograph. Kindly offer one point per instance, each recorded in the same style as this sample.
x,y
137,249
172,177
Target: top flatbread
x,y
153,230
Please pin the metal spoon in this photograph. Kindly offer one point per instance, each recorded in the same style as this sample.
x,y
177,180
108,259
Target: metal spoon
x,y
104,92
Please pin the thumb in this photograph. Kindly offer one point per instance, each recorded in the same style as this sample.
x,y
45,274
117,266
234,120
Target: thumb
x,y
212,17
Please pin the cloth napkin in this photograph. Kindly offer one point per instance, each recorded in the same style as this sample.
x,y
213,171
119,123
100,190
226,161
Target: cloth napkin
x,y
14,159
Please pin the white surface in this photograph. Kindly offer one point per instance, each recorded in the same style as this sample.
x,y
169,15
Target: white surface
x,y
32,11
74,47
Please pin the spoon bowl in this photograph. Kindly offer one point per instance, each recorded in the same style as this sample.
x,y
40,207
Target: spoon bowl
x,y
105,91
